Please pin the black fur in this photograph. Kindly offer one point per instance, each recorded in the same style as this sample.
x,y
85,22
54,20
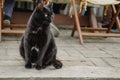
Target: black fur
x,y
37,43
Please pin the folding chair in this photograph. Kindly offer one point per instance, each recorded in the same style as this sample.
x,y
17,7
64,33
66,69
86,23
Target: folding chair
x,y
77,27
10,25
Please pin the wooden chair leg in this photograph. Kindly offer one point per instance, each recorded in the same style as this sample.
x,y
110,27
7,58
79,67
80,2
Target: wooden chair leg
x,y
115,19
77,22
0,24
105,9
73,30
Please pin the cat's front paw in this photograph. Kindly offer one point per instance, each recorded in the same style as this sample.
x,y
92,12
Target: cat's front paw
x,y
28,66
57,64
38,67
44,66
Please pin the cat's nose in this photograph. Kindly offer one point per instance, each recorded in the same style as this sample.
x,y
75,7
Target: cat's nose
x,y
49,20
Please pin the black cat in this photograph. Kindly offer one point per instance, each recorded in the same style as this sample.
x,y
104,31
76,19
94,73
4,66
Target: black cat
x,y
37,43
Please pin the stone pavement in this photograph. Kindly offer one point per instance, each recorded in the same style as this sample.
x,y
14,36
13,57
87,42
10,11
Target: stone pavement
x,y
97,59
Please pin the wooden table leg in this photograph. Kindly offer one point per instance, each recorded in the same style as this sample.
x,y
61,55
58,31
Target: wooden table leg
x,y
115,19
77,22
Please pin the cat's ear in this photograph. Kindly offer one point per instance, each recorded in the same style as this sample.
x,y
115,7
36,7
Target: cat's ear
x,y
40,6
50,5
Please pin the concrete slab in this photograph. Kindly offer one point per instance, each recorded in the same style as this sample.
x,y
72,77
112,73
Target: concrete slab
x,y
71,73
97,59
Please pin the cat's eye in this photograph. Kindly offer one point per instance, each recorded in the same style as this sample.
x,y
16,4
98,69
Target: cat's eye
x,y
46,15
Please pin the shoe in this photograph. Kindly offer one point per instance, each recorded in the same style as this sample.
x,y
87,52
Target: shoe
x,y
114,31
6,20
105,24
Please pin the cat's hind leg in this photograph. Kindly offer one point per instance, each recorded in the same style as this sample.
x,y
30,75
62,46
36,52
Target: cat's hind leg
x,y
57,64
50,58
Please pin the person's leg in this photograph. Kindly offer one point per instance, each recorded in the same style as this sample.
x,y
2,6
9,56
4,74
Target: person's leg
x,y
8,9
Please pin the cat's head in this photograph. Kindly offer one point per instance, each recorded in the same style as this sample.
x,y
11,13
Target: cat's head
x,y
44,12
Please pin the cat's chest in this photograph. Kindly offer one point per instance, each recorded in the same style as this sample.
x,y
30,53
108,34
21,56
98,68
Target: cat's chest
x,y
37,37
